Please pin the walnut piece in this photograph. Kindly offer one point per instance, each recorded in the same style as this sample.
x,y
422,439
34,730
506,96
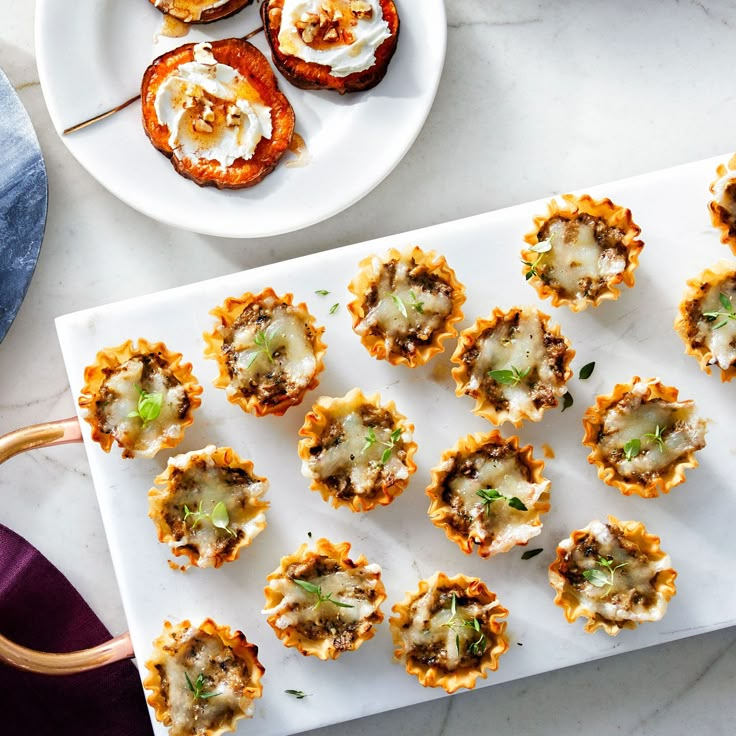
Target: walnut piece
x,y
361,9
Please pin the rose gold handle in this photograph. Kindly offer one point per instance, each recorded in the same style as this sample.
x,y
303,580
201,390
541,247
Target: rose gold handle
x,y
30,438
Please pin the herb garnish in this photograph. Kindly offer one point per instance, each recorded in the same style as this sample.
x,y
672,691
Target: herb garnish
x,y
727,314
399,304
475,648
586,371
656,436
218,517
532,553
317,590
489,495
414,303
334,307
371,439
633,447
263,340
321,292
149,405
196,687
541,248
298,694
602,575
567,401
509,377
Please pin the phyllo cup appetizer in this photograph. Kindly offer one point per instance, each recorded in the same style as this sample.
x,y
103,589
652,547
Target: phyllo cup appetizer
x,y
723,205
323,603
642,438
216,111
406,305
514,364
487,493
449,632
203,679
613,574
199,11
356,452
269,351
341,45
581,250
208,506
707,321
139,395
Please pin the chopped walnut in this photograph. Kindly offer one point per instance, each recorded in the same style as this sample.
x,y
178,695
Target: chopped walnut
x,y
323,26
202,126
361,9
232,119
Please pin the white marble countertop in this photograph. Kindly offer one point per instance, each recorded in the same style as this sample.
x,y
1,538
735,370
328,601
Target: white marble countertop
x,y
536,98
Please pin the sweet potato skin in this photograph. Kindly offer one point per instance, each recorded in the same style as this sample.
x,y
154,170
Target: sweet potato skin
x,y
252,65
308,75
212,14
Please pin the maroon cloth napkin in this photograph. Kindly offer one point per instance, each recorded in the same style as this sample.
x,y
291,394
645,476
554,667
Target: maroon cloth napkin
x,y
40,609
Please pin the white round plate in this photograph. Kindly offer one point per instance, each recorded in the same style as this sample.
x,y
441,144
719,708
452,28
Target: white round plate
x,y
92,55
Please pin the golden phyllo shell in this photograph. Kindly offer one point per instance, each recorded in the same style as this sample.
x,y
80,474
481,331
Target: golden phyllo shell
x,y
323,603
356,452
642,438
269,351
140,396
515,364
406,305
723,205
203,679
209,505
614,574
707,321
449,632
488,494
580,251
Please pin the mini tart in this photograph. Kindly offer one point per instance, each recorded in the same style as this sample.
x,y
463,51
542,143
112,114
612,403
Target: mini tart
x,y
723,206
635,411
633,587
406,305
356,452
593,247
199,11
712,339
323,629
112,390
435,635
269,351
342,45
193,484
228,665
521,340
216,111
483,462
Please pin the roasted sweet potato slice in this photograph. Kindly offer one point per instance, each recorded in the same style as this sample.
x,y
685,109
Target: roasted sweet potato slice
x,y
333,28
255,83
199,11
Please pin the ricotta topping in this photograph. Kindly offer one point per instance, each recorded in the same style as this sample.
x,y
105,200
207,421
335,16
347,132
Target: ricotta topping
x,y
367,31
681,432
631,595
722,341
212,112
188,10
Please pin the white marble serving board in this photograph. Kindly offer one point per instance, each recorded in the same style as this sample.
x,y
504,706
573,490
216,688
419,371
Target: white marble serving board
x,y
632,336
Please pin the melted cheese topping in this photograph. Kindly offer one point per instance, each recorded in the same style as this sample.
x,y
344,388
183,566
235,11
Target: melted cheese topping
x,y
297,607
200,653
361,465
440,631
368,33
203,485
131,431
188,10
523,350
402,307
720,342
211,111
682,433
497,523
577,261
724,190
632,595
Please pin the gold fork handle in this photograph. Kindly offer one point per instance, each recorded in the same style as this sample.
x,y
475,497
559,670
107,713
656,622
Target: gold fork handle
x,y
47,663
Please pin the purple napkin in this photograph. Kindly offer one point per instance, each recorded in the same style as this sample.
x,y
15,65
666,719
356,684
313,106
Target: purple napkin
x,y
40,609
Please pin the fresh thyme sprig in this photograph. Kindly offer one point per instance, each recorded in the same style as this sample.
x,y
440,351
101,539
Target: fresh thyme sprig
x,y
263,340
298,694
603,573
656,436
149,405
509,376
414,303
475,648
371,439
728,312
633,447
317,590
489,495
218,517
197,686
544,246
